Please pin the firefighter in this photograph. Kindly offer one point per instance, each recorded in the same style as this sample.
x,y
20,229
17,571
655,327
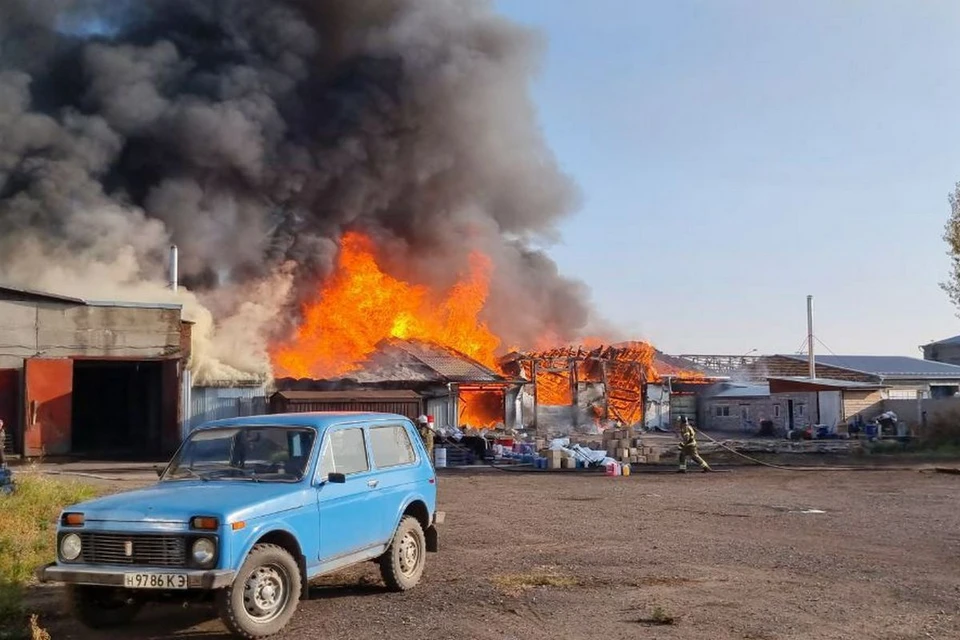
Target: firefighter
x,y
423,426
688,446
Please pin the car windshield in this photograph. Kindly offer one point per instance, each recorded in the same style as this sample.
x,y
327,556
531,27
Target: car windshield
x,y
256,454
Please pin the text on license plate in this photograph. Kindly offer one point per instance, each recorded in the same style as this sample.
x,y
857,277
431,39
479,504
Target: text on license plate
x,y
154,581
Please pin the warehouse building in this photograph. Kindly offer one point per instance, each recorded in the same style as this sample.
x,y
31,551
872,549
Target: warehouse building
x,y
84,377
410,377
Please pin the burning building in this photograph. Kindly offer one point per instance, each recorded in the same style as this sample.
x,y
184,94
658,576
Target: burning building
x,y
345,180
436,380
588,388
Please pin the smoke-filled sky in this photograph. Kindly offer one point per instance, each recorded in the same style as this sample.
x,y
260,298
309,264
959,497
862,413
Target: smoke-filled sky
x,y
737,155
252,133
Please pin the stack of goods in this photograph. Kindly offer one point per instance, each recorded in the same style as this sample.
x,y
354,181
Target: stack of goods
x,y
559,459
623,445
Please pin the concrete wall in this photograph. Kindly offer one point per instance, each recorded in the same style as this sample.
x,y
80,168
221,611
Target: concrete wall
x,y
758,409
59,330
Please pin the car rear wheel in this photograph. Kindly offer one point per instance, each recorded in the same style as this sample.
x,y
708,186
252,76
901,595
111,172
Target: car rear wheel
x,y
403,563
263,596
102,607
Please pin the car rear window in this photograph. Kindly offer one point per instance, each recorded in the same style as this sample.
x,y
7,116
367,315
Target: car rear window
x,y
391,446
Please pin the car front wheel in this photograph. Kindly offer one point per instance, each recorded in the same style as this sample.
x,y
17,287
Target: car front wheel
x,y
102,607
403,563
264,595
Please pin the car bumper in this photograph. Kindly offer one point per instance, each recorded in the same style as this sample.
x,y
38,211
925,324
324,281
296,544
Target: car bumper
x,y
113,576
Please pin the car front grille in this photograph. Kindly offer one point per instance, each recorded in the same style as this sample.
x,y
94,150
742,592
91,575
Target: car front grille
x,y
138,550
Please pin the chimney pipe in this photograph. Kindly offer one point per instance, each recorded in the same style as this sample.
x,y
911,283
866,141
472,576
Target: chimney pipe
x,y
810,357
173,267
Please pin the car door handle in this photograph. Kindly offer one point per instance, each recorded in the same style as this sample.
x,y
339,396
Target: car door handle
x,y
373,483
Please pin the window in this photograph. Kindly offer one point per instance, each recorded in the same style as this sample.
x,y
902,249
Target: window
x,y
902,394
723,411
345,452
801,408
391,447
267,454
776,411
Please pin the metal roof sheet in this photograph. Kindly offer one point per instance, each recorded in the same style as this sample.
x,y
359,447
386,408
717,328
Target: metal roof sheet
x,y
736,390
887,366
827,382
944,342
352,394
32,294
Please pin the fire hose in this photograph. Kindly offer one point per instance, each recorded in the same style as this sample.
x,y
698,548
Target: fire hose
x,y
781,467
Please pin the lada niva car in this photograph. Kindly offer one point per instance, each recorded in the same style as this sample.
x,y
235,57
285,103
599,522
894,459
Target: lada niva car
x,y
248,511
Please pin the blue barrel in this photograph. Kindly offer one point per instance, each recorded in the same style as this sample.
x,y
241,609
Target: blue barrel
x,y
871,431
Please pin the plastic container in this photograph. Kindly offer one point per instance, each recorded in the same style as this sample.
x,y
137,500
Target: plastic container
x,y
611,469
440,457
626,469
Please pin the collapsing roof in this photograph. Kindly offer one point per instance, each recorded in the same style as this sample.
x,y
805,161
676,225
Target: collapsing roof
x,y
652,363
397,361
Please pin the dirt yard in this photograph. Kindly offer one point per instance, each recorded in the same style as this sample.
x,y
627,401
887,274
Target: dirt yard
x,y
746,554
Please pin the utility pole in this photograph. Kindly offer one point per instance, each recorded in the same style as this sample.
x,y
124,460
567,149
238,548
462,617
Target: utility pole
x,y
810,356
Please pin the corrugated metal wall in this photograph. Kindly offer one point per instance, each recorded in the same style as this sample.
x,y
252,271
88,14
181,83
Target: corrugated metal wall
x,y
202,404
443,410
408,408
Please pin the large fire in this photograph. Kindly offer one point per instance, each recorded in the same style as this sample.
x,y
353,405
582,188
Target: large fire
x,y
360,305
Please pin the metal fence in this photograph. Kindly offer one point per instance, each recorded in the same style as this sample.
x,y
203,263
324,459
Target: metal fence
x,y
202,404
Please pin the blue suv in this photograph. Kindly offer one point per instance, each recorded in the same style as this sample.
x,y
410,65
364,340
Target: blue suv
x,y
248,511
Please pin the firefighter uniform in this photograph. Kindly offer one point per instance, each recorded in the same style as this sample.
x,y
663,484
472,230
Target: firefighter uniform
x,y
426,433
688,447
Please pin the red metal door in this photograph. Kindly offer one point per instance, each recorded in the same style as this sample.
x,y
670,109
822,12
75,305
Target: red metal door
x,y
9,393
48,404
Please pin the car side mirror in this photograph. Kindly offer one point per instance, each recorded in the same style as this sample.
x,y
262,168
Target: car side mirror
x,y
336,478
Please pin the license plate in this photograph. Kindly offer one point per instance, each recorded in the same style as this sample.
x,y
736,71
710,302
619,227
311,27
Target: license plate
x,y
154,581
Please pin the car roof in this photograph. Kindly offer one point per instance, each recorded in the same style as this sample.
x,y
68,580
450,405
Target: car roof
x,y
317,419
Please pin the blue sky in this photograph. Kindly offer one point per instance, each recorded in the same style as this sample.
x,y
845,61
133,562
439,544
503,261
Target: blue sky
x,y
737,155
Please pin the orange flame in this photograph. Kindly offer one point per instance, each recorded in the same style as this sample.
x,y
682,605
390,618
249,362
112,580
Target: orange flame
x,y
481,408
361,305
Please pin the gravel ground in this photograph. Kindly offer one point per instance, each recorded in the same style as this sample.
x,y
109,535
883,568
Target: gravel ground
x,y
738,554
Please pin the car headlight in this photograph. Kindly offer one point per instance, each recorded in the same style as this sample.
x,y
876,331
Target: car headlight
x,y
70,547
204,551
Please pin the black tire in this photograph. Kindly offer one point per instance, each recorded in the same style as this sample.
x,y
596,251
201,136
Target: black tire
x,y
403,563
266,567
102,607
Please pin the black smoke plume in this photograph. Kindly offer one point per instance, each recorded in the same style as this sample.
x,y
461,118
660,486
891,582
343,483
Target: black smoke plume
x,y
253,133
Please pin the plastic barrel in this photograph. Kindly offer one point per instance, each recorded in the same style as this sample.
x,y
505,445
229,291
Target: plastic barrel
x,y
440,457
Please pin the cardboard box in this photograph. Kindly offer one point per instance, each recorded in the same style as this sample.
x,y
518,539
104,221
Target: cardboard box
x,y
634,452
624,454
653,457
568,463
554,463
